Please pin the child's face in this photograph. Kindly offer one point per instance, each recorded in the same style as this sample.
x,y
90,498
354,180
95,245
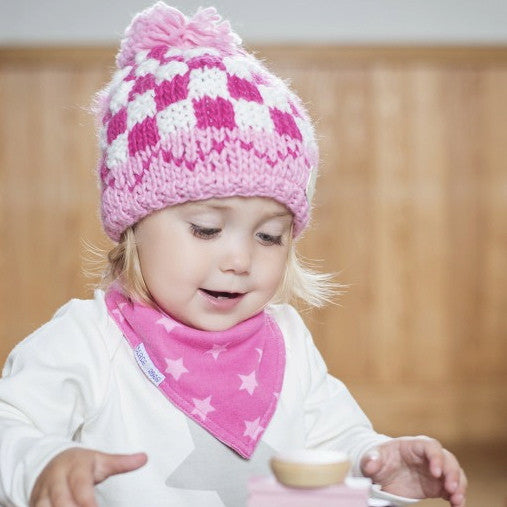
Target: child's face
x,y
212,264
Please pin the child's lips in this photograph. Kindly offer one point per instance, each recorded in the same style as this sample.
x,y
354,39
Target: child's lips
x,y
222,294
221,299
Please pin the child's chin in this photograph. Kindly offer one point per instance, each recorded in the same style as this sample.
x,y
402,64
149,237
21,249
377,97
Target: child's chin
x,y
216,324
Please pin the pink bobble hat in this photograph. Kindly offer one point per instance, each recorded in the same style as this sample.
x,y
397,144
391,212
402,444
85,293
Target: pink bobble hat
x,y
190,115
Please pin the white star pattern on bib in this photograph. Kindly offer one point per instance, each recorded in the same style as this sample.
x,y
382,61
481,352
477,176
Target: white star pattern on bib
x,y
248,382
168,324
119,315
216,350
175,367
202,407
253,428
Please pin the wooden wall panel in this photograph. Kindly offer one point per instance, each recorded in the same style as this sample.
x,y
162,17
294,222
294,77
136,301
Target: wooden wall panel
x,y
411,212
48,191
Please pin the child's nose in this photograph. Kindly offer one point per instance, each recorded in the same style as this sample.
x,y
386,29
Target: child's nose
x,y
237,257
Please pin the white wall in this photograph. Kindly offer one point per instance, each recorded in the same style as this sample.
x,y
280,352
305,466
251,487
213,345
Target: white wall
x,y
345,21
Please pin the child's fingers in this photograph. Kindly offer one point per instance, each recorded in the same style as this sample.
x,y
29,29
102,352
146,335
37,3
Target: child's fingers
x,y
452,477
371,463
444,465
452,473
463,482
458,499
53,494
42,502
430,449
82,488
60,495
69,479
455,479
111,464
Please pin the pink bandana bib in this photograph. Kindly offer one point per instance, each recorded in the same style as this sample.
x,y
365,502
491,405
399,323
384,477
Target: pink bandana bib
x,y
227,381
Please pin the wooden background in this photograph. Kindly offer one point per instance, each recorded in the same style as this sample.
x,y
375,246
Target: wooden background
x,y
411,214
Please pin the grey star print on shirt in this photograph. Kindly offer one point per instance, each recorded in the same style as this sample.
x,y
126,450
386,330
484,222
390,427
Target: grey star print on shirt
x,y
213,466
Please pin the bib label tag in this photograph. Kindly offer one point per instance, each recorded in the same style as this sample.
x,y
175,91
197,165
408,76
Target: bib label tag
x,y
146,364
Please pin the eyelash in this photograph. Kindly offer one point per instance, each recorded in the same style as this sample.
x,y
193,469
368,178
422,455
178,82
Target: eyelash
x,y
269,240
211,232
204,232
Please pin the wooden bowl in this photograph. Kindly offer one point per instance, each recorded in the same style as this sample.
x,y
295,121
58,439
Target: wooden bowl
x,y
310,468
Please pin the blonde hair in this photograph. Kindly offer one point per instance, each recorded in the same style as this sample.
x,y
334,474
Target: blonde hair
x,y
300,280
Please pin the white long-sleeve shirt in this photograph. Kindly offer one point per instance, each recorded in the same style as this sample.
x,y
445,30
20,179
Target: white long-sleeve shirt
x,y
75,382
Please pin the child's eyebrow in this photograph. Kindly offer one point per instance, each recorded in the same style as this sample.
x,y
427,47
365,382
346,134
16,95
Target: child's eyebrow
x,y
277,214
282,214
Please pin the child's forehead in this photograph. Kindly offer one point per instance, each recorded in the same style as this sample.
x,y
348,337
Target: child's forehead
x,y
259,205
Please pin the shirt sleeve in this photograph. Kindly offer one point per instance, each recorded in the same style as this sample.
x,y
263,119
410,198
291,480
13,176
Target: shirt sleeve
x,y
333,419
52,382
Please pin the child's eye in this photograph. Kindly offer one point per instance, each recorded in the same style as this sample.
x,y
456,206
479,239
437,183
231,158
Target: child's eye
x,y
204,232
268,239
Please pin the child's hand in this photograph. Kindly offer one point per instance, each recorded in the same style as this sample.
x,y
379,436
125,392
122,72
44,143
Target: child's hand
x,y
68,479
416,468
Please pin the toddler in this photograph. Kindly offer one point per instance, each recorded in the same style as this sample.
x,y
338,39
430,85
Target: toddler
x,y
179,380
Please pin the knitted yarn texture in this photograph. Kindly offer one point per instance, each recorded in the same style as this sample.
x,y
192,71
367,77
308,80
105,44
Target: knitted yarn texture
x,y
190,115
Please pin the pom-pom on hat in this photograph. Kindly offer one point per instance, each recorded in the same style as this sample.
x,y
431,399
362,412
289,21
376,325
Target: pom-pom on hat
x,y
190,115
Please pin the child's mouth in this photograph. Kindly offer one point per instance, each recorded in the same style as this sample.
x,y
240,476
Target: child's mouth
x,y
222,295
